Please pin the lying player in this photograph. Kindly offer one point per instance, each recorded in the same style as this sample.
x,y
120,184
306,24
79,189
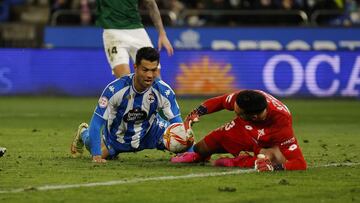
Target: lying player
x,y
263,125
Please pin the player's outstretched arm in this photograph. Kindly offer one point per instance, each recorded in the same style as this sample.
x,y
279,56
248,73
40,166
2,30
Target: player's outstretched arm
x,y
194,116
156,18
95,139
281,158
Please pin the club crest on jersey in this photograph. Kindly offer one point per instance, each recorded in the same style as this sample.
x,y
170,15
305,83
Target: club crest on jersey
x,y
135,115
151,98
103,102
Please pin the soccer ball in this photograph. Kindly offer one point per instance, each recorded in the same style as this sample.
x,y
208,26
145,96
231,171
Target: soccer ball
x,y
176,139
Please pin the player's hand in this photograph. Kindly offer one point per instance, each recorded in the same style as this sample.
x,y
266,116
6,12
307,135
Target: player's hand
x,y
190,119
164,41
98,159
263,163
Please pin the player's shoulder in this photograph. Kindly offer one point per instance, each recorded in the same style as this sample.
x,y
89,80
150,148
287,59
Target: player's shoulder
x,y
118,85
162,87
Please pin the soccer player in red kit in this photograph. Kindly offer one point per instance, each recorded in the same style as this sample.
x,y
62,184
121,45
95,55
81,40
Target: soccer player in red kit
x,y
263,125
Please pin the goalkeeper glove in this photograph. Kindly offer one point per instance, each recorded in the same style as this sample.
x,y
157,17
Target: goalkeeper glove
x,y
262,163
194,116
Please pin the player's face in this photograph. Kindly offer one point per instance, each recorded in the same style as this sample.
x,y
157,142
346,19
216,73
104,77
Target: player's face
x,y
250,117
145,73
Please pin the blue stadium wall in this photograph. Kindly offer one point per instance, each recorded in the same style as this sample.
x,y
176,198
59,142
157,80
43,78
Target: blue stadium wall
x,y
206,62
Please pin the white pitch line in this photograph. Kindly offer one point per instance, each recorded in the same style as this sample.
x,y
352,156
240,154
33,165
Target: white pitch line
x,y
139,180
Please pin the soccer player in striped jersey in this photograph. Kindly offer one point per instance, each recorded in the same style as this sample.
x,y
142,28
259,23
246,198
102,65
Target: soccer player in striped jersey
x,y
263,125
127,114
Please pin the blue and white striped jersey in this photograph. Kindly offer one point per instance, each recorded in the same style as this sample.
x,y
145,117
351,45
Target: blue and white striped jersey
x,y
129,114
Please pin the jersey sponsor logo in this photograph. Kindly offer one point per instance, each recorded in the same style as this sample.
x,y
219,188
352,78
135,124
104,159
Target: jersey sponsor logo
x,y
135,115
261,133
289,141
103,102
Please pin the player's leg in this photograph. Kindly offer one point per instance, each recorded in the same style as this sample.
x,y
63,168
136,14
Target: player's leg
x,y
81,139
140,39
116,49
235,140
202,151
77,145
154,137
121,70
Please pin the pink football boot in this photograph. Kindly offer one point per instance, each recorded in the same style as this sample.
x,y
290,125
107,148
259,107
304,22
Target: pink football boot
x,y
186,157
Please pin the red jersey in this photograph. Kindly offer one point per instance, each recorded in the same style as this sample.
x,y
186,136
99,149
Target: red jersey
x,y
242,135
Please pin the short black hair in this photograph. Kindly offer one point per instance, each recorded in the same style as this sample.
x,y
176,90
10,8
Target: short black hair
x,y
147,53
252,102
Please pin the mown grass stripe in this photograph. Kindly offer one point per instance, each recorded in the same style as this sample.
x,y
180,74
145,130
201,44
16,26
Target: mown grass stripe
x,y
139,180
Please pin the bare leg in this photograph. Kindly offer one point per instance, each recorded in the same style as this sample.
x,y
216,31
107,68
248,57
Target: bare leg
x,y
104,150
121,70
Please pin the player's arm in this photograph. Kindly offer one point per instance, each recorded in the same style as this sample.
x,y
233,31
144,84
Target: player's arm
x,y
176,119
289,147
95,127
209,106
156,18
285,153
286,156
294,157
170,107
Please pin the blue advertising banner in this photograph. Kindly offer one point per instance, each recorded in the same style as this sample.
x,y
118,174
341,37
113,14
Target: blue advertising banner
x,y
85,72
269,38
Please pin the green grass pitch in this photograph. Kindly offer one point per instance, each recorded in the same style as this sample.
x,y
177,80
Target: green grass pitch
x,y
37,132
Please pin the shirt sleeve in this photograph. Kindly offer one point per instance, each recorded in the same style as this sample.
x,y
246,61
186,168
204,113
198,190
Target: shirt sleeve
x,y
176,119
96,124
289,147
219,103
168,104
294,157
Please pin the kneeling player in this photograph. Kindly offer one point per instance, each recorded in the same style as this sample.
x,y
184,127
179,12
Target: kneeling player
x,y
263,125
127,113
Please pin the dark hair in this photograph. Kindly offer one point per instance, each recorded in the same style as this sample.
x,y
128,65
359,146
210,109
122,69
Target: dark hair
x,y
252,102
147,53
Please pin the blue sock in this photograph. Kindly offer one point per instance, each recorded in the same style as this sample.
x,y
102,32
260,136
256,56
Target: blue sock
x,y
86,138
191,149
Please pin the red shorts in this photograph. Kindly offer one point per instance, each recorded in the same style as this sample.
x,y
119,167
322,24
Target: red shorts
x,y
231,139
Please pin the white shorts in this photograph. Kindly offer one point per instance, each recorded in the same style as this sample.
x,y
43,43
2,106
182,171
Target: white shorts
x,y
121,44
